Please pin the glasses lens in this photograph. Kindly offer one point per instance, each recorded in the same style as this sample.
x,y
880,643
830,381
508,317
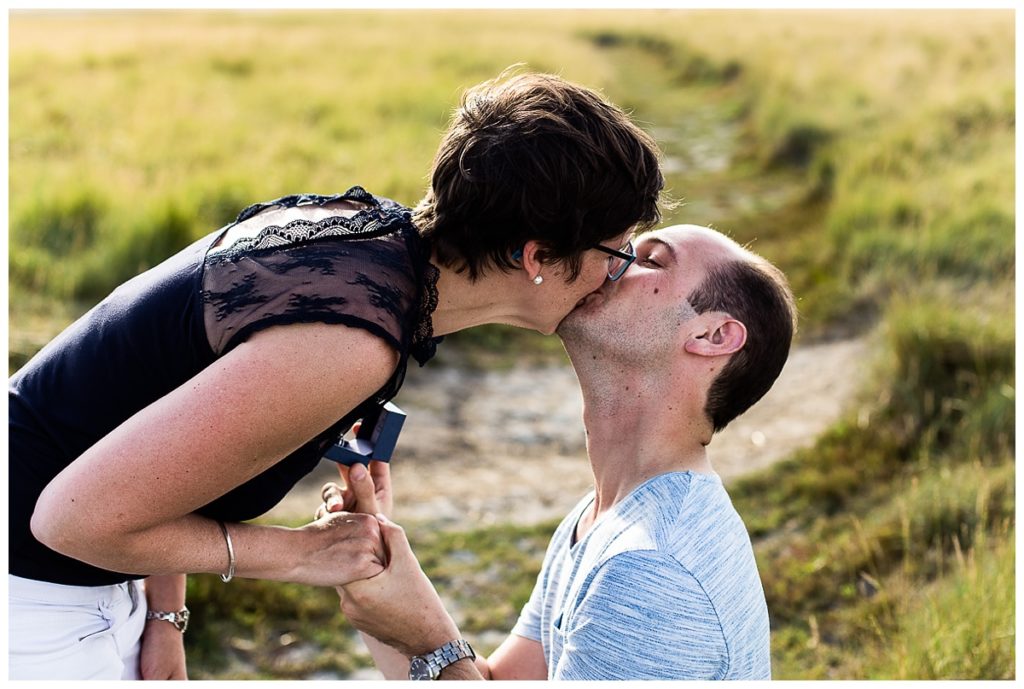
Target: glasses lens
x,y
617,265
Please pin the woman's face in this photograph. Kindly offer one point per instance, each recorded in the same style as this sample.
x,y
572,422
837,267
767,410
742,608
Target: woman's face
x,y
561,295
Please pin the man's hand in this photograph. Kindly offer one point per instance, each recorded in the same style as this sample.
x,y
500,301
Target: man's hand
x,y
399,606
163,652
365,491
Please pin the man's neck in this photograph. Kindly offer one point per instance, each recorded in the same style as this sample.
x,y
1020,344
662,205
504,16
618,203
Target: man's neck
x,y
640,423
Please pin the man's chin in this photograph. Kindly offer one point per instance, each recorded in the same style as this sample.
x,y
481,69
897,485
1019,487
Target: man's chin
x,y
573,325
576,322
574,319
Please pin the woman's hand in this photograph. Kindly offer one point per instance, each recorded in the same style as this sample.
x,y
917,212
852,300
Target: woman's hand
x,y
342,547
399,606
163,652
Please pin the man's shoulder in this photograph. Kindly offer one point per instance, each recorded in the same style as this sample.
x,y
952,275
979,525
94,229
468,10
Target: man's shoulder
x,y
681,557
685,527
677,514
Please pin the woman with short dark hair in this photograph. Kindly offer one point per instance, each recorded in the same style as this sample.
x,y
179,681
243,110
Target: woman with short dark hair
x,y
198,393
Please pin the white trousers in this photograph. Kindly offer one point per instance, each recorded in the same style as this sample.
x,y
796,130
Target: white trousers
x,y
75,632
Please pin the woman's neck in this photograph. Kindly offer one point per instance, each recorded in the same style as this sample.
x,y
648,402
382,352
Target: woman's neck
x,y
463,303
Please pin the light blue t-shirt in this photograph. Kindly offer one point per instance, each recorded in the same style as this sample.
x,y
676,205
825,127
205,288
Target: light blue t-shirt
x,y
663,586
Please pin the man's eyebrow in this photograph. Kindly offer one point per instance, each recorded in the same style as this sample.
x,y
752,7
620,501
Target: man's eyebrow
x,y
661,242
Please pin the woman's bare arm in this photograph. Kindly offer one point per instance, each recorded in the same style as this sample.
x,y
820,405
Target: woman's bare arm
x,y
126,504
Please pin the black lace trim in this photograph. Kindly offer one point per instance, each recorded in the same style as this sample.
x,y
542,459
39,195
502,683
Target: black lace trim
x,y
424,344
300,230
366,223
356,193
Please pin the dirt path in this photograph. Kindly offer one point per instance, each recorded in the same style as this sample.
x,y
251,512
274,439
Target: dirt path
x,y
484,447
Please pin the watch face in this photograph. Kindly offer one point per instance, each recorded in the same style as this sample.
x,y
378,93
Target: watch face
x,y
419,669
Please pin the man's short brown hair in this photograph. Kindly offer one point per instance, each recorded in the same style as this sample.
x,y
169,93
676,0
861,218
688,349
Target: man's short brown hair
x,y
537,157
757,294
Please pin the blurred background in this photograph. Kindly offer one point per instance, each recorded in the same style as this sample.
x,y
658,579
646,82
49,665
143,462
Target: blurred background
x,y
869,154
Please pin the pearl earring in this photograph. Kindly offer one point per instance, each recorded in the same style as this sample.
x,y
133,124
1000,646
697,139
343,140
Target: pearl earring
x,y
537,280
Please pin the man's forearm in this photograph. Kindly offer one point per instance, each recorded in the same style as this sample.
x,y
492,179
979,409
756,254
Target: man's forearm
x,y
463,670
394,665
391,663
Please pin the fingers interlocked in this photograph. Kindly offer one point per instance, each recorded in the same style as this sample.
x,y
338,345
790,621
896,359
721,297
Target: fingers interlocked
x,y
333,497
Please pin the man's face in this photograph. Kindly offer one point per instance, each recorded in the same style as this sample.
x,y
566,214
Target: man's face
x,y
647,306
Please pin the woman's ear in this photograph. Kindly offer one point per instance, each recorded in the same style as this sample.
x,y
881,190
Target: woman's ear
x,y
722,335
531,261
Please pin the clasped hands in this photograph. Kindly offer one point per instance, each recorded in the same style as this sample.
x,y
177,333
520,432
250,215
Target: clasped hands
x,y
397,606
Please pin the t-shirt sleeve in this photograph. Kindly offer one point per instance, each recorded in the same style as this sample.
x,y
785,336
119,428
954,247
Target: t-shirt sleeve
x,y
643,616
531,620
528,624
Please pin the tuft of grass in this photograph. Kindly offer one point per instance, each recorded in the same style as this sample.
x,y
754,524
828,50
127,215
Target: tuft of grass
x,y
686,67
959,627
485,574
256,629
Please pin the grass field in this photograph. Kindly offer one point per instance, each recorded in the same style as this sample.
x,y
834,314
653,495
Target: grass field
x,y
869,154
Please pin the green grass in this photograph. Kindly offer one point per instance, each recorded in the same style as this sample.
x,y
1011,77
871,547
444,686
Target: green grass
x,y
961,626
869,154
850,532
132,146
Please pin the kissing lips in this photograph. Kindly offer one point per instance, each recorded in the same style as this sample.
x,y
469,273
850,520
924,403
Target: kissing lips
x,y
588,298
579,308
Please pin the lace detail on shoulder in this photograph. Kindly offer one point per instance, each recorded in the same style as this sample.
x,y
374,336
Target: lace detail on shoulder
x,y
370,270
353,194
365,223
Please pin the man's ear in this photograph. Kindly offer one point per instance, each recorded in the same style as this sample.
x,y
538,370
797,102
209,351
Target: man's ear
x,y
722,335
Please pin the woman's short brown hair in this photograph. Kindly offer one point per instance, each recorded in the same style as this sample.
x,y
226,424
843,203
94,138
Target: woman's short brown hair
x,y
536,157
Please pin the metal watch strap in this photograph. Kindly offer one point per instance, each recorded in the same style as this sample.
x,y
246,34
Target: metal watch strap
x,y
179,618
451,652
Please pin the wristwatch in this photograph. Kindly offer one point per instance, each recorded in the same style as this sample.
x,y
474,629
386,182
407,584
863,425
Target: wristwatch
x,y
429,666
179,619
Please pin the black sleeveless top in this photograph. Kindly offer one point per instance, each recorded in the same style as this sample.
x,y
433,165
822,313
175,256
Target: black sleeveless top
x,y
370,270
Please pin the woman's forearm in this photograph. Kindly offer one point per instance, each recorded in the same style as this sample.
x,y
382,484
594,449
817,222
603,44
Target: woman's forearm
x,y
190,543
128,503
335,550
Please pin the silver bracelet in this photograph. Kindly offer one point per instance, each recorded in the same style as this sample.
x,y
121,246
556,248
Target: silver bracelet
x,y
231,555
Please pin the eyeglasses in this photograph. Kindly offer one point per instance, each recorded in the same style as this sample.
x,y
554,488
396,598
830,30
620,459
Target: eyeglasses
x,y
618,261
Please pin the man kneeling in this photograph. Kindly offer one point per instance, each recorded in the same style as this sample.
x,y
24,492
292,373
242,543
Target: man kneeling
x,y
651,576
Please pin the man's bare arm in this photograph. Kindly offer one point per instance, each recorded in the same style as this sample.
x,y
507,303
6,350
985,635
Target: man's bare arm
x,y
518,658
404,583
401,610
